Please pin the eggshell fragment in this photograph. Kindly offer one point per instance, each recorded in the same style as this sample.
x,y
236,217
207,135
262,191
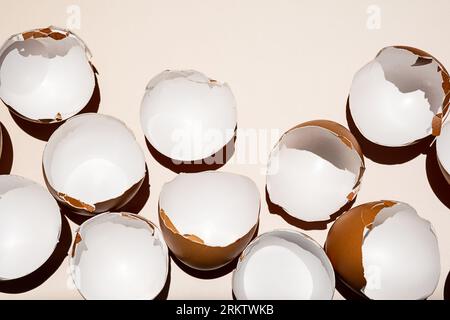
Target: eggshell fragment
x,y
283,264
208,218
385,250
30,226
119,256
400,97
443,151
315,169
46,75
93,163
187,116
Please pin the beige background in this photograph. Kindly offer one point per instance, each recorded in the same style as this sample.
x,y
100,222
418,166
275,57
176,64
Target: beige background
x,y
286,61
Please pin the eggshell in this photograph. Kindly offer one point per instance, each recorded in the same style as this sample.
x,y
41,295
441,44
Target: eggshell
x,y
93,163
400,97
283,264
119,256
30,226
385,250
314,170
208,218
186,116
46,75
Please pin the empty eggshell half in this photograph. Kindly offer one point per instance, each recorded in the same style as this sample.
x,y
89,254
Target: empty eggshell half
x,y
93,163
385,250
283,265
208,218
187,116
400,97
46,75
119,256
443,150
314,170
30,226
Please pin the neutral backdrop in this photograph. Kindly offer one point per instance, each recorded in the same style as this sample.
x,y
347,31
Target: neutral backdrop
x,y
286,61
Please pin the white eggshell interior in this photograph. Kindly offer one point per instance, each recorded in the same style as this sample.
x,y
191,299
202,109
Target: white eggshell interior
x,y
283,265
443,147
393,99
218,207
187,117
311,171
29,229
93,158
119,257
400,256
40,78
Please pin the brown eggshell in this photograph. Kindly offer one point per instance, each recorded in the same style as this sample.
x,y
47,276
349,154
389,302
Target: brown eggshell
x,y
438,118
351,142
55,34
193,252
344,242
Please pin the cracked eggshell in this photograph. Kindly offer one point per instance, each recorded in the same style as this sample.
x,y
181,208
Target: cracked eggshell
x,y
187,116
443,151
30,226
46,75
208,218
283,265
314,170
385,250
400,97
93,163
119,256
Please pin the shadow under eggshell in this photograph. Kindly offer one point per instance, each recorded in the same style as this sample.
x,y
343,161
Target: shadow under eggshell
x,y
436,178
6,151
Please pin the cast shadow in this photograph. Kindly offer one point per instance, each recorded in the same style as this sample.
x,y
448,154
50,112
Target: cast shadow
x,y
165,290
135,205
206,275
214,162
7,153
210,274
305,225
436,179
43,131
386,155
447,288
38,277
348,292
